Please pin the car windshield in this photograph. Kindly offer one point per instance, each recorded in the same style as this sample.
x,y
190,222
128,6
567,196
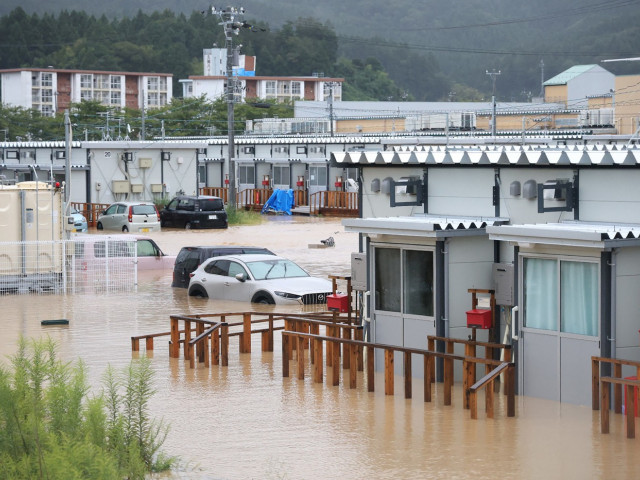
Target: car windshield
x,y
269,269
144,210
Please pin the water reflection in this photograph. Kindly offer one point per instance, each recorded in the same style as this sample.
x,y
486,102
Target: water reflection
x,y
245,421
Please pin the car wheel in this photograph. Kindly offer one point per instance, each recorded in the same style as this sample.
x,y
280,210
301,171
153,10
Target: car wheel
x,y
187,226
125,229
198,292
264,299
99,226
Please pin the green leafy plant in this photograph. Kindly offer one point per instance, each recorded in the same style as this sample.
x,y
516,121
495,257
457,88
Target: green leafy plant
x,y
51,428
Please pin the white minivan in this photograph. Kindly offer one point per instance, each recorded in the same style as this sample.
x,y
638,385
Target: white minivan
x,y
134,217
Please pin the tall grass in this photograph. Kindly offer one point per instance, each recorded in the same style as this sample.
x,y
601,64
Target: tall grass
x,y
50,427
238,216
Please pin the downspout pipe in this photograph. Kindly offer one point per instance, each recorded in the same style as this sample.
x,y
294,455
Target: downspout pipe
x,y
613,310
440,305
445,308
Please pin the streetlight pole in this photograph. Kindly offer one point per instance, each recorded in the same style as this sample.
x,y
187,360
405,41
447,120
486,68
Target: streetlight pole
x,y
493,74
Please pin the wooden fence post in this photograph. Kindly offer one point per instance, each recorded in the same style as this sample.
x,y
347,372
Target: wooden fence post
x,y
511,390
595,384
388,372
187,339
448,380
215,347
174,349
359,335
246,330
617,389
353,370
224,346
630,412
407,375
428,363
300,354
370,369
335,363
604,408
317,364
285,355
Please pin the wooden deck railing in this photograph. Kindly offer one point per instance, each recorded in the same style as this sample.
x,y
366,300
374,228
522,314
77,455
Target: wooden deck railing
x,y
470,350
222,192
91,211
600,390
301,332
350,353
334,203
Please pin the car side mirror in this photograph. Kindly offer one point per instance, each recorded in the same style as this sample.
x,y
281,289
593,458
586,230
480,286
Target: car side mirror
x,y
241,277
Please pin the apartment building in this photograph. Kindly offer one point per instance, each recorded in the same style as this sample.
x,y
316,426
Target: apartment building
x,y
51,90
282,89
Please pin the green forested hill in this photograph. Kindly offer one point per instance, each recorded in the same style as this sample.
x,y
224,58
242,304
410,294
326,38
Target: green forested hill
x,y
425,46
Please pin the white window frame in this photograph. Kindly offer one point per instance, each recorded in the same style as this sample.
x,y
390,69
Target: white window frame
x,y
558,259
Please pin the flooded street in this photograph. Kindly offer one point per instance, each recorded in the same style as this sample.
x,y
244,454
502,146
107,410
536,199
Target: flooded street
x,y
245,421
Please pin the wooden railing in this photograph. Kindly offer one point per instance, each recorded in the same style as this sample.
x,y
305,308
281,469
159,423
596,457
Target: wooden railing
x,y
600,390
222,192
253,198
334,203
350,354
210,346
91,211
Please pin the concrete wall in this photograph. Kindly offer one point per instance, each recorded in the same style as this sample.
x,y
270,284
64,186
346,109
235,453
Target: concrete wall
x,y
626,100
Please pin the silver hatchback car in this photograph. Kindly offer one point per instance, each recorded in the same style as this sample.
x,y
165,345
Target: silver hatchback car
x,y
134,217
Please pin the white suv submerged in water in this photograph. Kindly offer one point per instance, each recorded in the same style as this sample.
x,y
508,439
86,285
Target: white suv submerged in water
x,y
259,279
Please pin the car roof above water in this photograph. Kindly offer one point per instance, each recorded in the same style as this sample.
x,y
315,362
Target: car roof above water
x,y
248,257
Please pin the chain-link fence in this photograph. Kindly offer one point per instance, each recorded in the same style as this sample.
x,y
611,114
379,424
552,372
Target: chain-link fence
x,y
84,264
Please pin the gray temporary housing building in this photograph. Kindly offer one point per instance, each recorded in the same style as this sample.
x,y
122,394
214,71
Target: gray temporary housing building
x,y
435,222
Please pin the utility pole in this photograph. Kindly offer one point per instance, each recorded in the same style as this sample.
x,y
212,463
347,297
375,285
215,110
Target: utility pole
x,y
67,161
232,21
493,74
541,78
331,85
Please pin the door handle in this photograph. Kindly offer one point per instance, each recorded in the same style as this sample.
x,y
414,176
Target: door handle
x,y
514,310
226,284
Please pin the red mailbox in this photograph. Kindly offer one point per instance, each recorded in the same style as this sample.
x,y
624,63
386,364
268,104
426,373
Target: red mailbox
x,y
479,318
338,302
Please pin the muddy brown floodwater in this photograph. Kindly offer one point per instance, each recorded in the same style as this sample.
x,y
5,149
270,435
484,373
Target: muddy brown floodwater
x,y
246,422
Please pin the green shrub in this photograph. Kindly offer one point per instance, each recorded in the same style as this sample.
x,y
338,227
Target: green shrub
x,y
50,427
238,216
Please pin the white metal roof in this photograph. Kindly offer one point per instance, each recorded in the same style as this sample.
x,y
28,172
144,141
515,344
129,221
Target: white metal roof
x,y
607,155
423,225
570,233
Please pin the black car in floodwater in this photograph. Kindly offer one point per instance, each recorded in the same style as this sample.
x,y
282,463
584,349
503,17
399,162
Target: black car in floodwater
x,y
189,212
190,258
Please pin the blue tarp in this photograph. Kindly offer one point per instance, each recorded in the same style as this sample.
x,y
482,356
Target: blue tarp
x,y
281,201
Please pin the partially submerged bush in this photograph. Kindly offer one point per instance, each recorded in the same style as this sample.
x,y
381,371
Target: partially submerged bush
x,y
238,216
50,427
